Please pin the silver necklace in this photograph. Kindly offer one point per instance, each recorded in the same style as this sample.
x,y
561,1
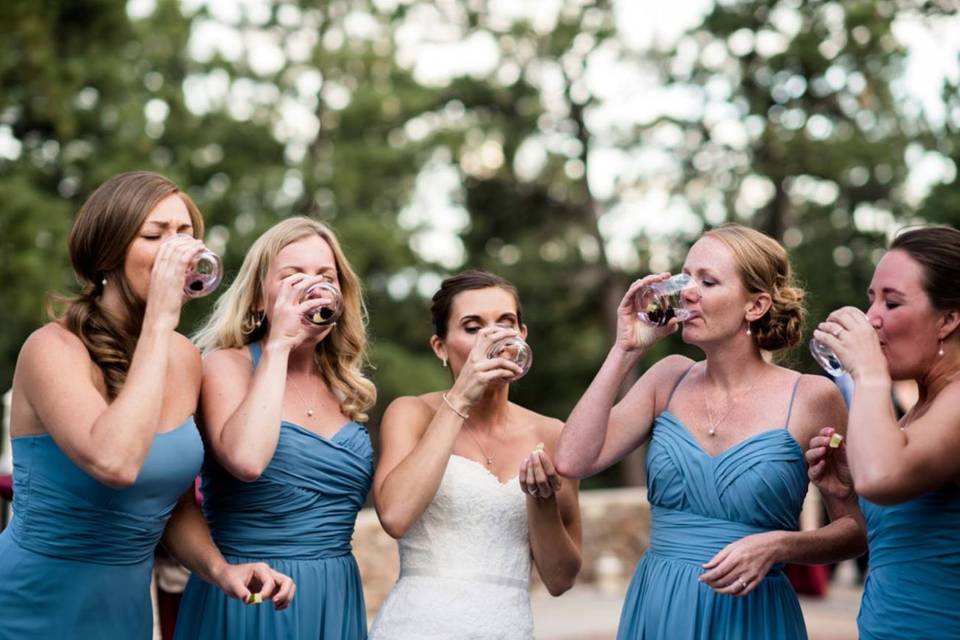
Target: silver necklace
x,y
731,401
296,390
486,456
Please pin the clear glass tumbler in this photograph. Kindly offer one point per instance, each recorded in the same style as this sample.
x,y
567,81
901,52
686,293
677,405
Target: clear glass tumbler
x,y
514,349
326,312
661,301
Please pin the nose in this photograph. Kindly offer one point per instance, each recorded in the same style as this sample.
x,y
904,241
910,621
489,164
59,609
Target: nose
x,y
873,316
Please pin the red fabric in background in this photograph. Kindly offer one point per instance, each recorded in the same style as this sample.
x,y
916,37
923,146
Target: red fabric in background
x,y
809,579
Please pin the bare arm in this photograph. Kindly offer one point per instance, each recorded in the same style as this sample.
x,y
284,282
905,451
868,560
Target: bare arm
x,y
243,408
55,376
187,538
553,518
417,439
416,443
889,465
597,433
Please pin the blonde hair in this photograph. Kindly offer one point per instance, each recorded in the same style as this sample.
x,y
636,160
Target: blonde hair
x,y
339,358
106,224
765,267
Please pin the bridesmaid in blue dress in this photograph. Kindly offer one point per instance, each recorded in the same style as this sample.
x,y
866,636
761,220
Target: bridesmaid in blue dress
x,y
288,464
907,472
725,473
104,442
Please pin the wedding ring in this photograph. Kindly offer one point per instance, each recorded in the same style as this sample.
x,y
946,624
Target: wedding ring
x,y
743,585
836,334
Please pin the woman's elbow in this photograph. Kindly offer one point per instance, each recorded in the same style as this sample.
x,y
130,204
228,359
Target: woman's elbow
x,y
878,488
245,469
116,474
564,579
568,467
395,524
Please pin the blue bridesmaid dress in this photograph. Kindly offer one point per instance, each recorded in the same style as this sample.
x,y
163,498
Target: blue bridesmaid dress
x,y
77,558
699,504
913,587
298,517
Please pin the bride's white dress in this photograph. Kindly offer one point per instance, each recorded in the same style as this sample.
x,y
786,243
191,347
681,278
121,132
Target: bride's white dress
x,y
465,565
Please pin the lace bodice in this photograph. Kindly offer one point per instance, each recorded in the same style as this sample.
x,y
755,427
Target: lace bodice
x,y
465,564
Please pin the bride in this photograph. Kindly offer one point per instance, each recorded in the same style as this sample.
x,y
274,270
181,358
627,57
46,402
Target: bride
x,y
467,485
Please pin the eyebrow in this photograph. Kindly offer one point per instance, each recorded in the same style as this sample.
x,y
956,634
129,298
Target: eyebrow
x,y
476,318
169,223
888,290
296,267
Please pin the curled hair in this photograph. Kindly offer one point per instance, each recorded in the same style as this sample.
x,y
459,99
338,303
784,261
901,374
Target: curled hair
x,y
765,268
466,281
105,226
340,357
937,249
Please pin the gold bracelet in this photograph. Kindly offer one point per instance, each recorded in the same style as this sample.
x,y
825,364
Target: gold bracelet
x,y
453,408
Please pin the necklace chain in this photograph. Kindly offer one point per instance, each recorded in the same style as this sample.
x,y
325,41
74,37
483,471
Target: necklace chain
x,y
486,456
731,402
296,390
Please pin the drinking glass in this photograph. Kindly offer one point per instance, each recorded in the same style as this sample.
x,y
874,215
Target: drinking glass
x,y
661,301
513,348
327,312
203,275
826,358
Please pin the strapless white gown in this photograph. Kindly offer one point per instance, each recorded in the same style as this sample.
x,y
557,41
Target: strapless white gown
x,y
465,565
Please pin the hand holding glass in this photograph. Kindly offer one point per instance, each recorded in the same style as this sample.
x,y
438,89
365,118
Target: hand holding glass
x,y
514,349
658,303
324,313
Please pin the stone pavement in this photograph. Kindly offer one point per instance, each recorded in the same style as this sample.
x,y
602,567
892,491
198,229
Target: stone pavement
x,y
588,613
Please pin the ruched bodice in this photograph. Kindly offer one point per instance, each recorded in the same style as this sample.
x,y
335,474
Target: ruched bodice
x,y
464,565
62,511
305,503
298,516
72,539
913,585
700,504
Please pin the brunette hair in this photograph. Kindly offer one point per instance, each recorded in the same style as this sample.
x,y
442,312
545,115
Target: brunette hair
x,y
765,267
105,226
937,249
466,281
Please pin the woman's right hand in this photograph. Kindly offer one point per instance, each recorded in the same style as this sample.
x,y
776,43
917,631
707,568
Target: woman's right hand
x,y
165,296
478,371
634,334
288,329
827,466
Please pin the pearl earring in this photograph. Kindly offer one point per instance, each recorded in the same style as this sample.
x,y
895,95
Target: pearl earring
x,y
103,282
748,329
940,353
444,363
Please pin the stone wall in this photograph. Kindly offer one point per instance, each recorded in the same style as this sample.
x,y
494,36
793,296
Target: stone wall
x,y
616,531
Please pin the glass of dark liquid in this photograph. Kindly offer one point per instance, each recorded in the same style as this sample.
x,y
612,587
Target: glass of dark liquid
x,y
515,349
658,303
329,310
826,358
203,275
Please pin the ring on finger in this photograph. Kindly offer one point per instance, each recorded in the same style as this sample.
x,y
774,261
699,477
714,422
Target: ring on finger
x,y
743,583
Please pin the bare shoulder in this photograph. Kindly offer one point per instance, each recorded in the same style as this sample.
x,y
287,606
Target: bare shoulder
x,y
818,404
227,361
410,412
185,352
666,375
53,347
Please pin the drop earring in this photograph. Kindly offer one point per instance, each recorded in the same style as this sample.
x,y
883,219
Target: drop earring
x,y
940,352
748,329
444,363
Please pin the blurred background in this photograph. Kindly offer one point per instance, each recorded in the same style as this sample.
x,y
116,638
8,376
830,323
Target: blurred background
x,y
570,146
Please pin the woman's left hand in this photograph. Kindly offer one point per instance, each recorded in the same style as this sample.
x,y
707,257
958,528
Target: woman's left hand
x,y
241,581
538,477
740,566
854,340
